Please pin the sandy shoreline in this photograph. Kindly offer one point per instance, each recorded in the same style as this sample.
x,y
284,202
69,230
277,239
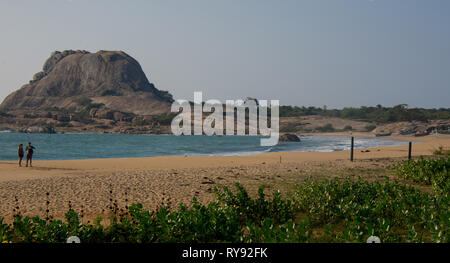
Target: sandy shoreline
x,y
174,179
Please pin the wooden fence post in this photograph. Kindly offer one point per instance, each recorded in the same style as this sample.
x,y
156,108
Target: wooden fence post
x,y
409,151
351,150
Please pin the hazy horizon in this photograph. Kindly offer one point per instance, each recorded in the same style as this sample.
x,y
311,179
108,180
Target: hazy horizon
x,y
305,53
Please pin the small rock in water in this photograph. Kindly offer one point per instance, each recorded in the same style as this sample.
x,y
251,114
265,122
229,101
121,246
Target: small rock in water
x,y
289,137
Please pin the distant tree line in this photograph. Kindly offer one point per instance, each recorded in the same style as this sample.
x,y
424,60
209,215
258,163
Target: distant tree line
x,y
378,114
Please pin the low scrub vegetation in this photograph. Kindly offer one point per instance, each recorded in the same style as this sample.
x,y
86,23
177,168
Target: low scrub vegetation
x,y
339,210
434,172
164,119
56,109
370,128
7,115
441,151
111,93
344,210
326,128
377,114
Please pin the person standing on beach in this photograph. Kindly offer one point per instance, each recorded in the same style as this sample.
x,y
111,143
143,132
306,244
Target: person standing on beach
x,y
20,154
30,151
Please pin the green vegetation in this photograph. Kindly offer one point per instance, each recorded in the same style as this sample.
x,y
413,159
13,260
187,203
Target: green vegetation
x,y
326,128
7,115
30,116
378,114
141,123
294,111
165,95
348,128
128,114
111,93
87,105
434,172
56,109
290,127
441,151
103,127
370,127
294,127
339,210
391,211
83,101
64,125
164,119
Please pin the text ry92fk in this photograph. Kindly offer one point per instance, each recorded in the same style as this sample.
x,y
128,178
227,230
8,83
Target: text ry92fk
x,y
246,252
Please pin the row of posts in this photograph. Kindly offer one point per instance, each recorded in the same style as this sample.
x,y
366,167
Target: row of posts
x,y
353,146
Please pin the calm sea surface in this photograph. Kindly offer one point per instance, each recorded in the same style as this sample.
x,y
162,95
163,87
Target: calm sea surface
x,y
86,146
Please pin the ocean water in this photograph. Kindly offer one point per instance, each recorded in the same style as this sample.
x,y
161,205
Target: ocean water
x,y
87,146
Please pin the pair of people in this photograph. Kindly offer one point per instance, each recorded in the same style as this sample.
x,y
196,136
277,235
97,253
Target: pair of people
x,y
29,150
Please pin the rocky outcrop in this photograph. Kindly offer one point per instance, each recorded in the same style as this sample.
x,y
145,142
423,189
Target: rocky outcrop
x,y
109,78
119,116
102,113
288,137
38,129
4,129
58,56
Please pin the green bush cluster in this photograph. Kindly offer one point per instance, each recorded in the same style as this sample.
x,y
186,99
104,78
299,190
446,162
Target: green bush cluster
x,y
441,151
434,172
378,114
7,115
141,122
290,127
349,211
232,218
86,105
370,127
110,92
320,211
326,128
64,124
163,94
348,128
164,119
56,109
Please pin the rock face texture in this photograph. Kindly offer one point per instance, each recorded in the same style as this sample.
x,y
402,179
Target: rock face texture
x,y
38,129
288,137
72,79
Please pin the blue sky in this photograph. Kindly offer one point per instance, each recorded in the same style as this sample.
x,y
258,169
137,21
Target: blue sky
x,y
318,52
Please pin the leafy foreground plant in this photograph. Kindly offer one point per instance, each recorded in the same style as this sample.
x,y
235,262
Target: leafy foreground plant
x,y
441,151
391,211
325,211
434,172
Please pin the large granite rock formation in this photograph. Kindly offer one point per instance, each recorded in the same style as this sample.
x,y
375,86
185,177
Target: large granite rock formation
x,y
72,80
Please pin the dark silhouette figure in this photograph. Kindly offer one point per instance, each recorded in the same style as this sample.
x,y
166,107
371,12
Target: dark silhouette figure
x,y
20,153
30,150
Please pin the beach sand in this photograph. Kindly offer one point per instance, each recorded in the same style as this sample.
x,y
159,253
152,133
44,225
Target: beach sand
x,y
172,180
